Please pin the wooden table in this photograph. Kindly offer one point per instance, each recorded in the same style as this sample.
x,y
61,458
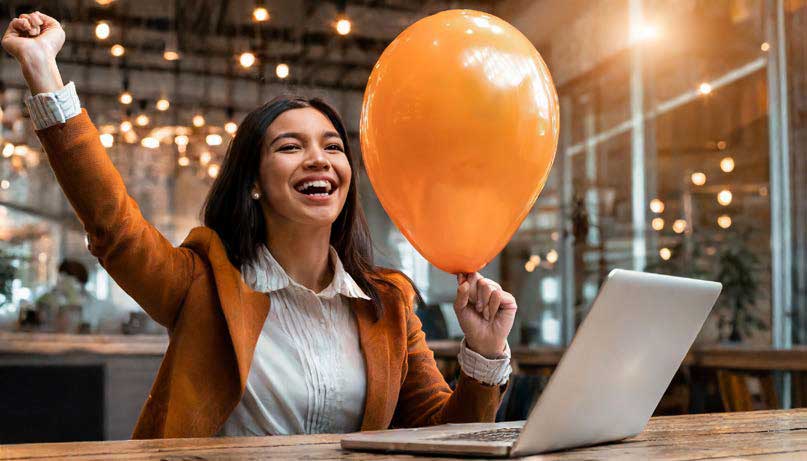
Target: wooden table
x,y
769,435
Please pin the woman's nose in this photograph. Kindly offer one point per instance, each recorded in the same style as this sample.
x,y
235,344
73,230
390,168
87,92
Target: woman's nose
x,y
316,159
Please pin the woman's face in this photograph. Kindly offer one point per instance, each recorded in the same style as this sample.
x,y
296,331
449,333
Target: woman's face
x,y
304,171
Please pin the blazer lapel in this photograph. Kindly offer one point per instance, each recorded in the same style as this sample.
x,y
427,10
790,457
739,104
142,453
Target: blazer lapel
x,y
375,347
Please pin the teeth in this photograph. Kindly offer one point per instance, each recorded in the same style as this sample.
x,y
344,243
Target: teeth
x,y
317,183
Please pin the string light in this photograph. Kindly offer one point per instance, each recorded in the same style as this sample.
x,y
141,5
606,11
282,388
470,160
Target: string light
x,y
724,221
657,223
204,158
698,178
170,55
727,164
198,121
247,59
102,30
107,140
149,142
142,120
282,70
117,50
343,26
679,226
213,139
125,98
724,197
126,126
181,140
665,253
230,128
656,206
765,46
260,14
184,161
529,266
552,257
8,150
163,104
704,88
213,170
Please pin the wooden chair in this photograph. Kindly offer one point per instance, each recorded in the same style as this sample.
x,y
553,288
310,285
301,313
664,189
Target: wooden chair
x,y
745,391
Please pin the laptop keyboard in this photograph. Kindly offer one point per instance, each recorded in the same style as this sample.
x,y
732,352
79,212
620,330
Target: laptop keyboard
x,y
505,434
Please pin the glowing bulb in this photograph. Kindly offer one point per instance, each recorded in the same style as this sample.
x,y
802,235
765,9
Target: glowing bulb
x,y
724,221
724,197
246,59
343,26
163,104
704,88
149,142
117,50
765,46
656,206
679,226
181,140
282,70
213,139
107,140
4,184
125,98
198,121
142,120
529,266
552,257
8,150
698,178
21,150
184,161
727,164
657,223
213,170
535,259
125,126
170,55
260,14
102,30
665,253
204,158
230,128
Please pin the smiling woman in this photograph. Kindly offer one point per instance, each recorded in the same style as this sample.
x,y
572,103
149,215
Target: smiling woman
x,y
280,322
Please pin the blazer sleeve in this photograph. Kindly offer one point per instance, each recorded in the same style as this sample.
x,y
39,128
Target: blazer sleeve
x,y
426,399
141,260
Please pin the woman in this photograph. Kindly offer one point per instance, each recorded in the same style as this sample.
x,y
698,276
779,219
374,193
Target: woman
x,y
340,349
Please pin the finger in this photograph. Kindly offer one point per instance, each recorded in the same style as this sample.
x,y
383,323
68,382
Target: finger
x,y
462,298
35,19
473,279
21,25
31,28
48,20
493,305
508,302
484,292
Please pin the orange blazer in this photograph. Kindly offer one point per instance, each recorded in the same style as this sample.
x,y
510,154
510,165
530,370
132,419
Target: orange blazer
x,y
214,319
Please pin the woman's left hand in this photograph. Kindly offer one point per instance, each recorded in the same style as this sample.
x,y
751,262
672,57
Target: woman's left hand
x,y
485,312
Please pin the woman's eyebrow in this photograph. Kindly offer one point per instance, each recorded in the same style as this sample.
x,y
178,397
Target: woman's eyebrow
x,y
293,135
331,134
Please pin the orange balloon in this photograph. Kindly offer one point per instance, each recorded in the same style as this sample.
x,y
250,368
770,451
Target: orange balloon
x,y
459,128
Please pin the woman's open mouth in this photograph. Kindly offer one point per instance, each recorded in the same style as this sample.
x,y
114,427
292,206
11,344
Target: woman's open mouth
x,y
319,189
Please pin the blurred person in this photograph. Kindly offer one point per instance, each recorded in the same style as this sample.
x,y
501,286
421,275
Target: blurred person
x,y
340,349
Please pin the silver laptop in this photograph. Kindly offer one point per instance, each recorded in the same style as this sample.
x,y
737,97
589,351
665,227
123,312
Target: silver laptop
x,y
605,387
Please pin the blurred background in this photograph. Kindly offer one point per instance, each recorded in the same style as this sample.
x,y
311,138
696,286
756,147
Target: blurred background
x,y
682,151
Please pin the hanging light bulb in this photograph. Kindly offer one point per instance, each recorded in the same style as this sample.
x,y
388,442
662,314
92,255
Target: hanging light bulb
x,y
260,14
552,257
704,88
213,139
724,197
724,221
665,253
657,223
213,170
230,128
107,140
102,30
656,206
8,150
198,121
4,184
181,140
142,120
204,158
698,178
529,266
125,126
126,98
765,46
184,161
282,70
149,142
247,59
171,50
727,164
163,104
117,50
343,26
679,226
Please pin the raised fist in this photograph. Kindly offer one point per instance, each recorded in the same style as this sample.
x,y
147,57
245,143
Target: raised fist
x,y
34,36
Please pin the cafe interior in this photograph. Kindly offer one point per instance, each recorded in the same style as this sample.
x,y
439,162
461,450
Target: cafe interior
x,y
682,150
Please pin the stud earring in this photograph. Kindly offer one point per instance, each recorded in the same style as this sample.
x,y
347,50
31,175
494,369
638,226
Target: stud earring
x,y
256,195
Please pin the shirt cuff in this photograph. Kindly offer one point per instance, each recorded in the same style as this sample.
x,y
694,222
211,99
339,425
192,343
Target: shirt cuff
x,y
493,372
52,108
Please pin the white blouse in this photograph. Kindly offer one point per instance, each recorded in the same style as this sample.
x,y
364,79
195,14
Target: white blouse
x,y
308,373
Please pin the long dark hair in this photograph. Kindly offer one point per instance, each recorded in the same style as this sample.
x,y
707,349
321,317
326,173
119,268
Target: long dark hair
x,y
238,220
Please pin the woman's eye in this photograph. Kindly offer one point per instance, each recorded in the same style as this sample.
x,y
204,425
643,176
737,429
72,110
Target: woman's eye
x,y
335,147
288,147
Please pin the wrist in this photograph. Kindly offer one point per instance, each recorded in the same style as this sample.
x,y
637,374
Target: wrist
x,y
41,74
491,352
